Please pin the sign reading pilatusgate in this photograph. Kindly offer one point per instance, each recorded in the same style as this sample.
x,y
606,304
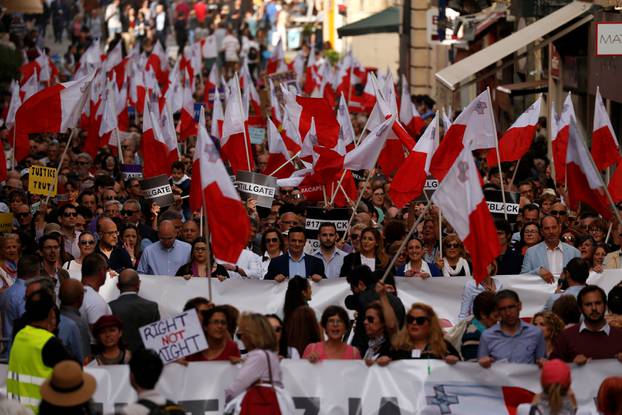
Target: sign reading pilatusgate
x,y
260,187
158,190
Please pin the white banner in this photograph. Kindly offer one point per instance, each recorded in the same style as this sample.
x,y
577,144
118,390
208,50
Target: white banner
x,y
443,293
405,388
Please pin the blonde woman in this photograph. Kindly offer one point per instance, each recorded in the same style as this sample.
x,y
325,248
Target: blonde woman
x,y
551,326
260,374
454,263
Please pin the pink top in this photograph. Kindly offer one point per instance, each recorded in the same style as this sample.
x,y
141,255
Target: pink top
x,y
351,353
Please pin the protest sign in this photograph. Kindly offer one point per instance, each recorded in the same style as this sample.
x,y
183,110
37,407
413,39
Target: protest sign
x,y
317,216
260,187
257,134
158,190
42,181
494,200
130,171
6,222
288,79
175,337
430,186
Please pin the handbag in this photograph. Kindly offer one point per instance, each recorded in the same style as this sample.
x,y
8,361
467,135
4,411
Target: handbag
x,y
261,400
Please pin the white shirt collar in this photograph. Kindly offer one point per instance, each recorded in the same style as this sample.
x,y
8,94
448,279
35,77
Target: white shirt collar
x,y
606,328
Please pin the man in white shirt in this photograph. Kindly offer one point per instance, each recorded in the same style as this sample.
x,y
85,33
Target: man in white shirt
x,y
331,256
113,18
94,269
248,265
67,216
231,48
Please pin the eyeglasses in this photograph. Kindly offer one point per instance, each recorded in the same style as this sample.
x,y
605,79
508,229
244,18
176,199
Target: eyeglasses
x,y
559,213
83,163
378,194
370,319
568,238
111,233
419,321
290,222
22,215
87,242
51,248
272,240
335,321
532,232
200,249
70,214
454,245
125,212
355,236
592,229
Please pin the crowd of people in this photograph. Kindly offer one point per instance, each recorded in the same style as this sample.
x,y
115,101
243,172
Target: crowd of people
x,y
60,251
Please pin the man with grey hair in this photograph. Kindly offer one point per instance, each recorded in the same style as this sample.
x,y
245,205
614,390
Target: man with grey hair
x,y
133,310
84,162
167,255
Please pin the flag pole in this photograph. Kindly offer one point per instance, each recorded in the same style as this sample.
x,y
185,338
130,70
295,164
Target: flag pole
x,y
440,234
14,141
494,126
515,171
248,156
201,222
405,241
209,249
60,163
285,164
116,129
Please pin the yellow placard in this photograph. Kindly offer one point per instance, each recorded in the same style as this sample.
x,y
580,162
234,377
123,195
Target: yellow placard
x,y
6,222
42,181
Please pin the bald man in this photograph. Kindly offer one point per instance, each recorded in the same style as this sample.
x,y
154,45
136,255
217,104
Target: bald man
x,y
109,246
167,255
71,296
132,310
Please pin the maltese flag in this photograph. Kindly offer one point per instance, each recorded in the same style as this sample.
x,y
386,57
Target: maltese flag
x,y
518,138
234,143
474,128
461,200
605,150
277,154
559,132
226,215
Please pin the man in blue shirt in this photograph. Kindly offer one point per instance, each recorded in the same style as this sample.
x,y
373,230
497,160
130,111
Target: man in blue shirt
x,y
167,255
511,340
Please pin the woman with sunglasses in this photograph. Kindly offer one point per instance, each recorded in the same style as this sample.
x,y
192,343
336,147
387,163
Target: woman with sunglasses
x,y
220,345
454,263
421,338
285,351
86,244
370,253
336,323
272,246
197,267
415,265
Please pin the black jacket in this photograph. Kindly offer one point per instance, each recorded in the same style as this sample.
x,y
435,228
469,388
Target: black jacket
x,y
280,265
134,312
352,261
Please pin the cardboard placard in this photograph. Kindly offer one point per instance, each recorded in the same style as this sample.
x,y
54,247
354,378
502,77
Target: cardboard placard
x,y
42,181
6,222
316,216
260,187
175,337
130,171
257,134
497,208
287,78
158,190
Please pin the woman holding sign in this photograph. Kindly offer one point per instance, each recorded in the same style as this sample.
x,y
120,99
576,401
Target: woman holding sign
x,y
258,386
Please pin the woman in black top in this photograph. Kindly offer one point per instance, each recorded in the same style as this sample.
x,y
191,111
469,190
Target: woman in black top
x,y
197,267
371,253
421,338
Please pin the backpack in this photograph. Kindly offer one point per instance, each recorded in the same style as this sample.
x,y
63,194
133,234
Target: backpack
x,y
169,408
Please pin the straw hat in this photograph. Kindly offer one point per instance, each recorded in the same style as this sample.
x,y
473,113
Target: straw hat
x,y
68,385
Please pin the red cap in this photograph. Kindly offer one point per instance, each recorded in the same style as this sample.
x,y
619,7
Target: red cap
x,y
555,371
106,321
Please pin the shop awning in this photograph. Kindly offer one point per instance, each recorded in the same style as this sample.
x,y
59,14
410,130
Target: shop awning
x,y
386,21
456,74
22,6
524,88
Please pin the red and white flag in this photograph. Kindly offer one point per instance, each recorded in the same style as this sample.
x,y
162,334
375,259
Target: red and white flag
x,y
29,88
211,84
235,144
14,105
559,133
409,180
53,110
474,128
605,149
460,198
114,58
584,182
109,120
346,131
218,116
175,92
518,138
226,215
157,155
409,116
277,154
365,156
187,125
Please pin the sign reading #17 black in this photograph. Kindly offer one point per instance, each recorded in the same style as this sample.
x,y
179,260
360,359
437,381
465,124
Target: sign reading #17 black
x,y
498,208
260,187
158,190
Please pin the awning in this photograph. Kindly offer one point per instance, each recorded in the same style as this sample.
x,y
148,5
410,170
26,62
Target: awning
x,y
454,75
524,88
386,21
22,6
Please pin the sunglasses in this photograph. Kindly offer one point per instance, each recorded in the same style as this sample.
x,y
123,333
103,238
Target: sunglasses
x,y
128,212
87,242
370,319
355,236
22,215
568,238
83,163
419,321
454,245
559,212
269,240
70,214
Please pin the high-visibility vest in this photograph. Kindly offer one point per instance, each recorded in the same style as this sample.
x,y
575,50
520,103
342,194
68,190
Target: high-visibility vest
x,y
26,369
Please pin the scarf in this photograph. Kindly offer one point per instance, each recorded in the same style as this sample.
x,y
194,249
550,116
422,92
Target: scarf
x,y
448,270
373,346
425,268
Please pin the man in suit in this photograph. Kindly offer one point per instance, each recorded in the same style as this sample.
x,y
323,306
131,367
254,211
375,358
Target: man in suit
x,y
294,261
131,309
549,257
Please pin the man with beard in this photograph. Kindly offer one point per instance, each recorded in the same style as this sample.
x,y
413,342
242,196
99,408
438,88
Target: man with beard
x,y
594,338
328,252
